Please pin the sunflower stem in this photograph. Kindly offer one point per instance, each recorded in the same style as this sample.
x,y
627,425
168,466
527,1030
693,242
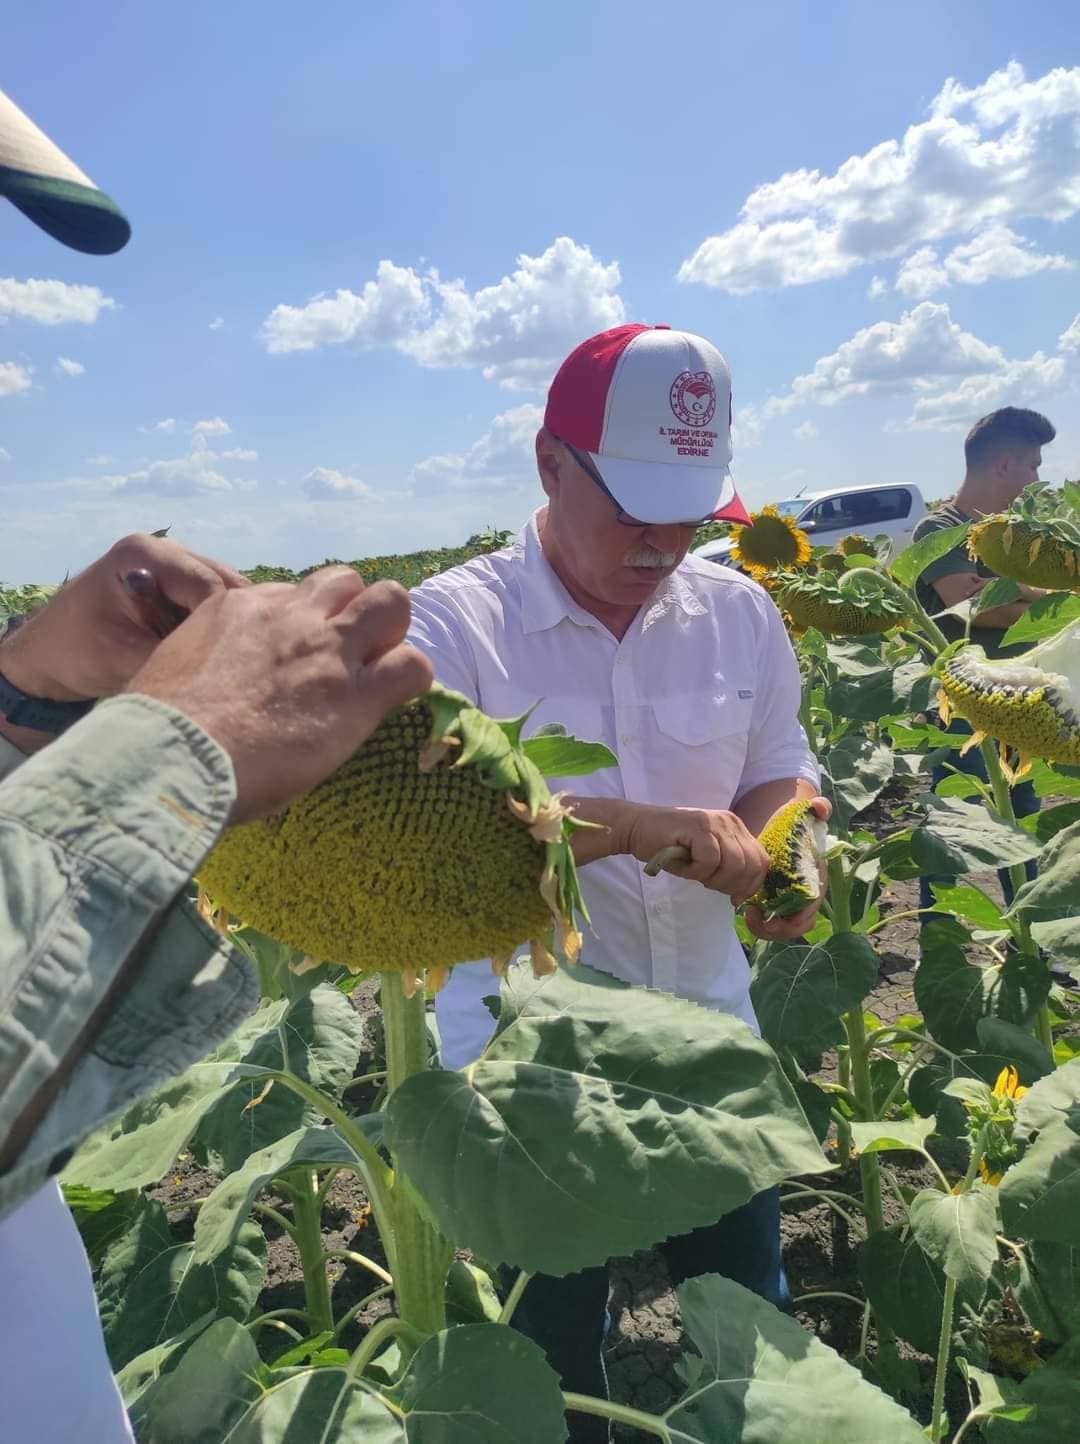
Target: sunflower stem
x,y
858,1053
421,1254
1018,877
919,615
307,1235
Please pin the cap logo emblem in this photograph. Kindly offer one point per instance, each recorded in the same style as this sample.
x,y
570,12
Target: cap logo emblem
x,y
693,398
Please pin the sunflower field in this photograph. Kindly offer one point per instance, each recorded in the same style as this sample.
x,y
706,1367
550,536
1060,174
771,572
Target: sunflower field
x,y
319,1235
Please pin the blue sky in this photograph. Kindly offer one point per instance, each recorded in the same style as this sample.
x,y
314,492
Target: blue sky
x,y
871,209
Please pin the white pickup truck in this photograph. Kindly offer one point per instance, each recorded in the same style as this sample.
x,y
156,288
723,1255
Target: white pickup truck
x,y
828,516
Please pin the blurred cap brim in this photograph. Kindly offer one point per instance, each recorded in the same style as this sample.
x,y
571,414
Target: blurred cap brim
x,y
42,182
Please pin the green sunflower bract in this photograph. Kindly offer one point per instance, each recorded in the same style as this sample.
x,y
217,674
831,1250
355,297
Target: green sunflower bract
x,y
437,843
851,605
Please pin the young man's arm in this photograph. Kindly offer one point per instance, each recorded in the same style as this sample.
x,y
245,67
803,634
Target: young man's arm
x,y
957,587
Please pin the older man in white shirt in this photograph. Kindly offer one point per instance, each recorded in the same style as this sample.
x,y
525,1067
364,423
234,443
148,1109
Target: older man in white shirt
x,y
598,619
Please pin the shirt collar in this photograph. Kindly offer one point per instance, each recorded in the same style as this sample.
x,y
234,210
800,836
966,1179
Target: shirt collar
x,y
545,602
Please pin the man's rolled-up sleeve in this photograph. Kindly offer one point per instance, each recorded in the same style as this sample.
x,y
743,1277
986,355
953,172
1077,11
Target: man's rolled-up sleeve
x,y
778,746
100,834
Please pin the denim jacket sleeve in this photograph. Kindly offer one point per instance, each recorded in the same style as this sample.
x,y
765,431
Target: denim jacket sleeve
x,y
100,833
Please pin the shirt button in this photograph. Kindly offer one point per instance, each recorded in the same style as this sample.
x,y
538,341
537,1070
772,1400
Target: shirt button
x,y
627,739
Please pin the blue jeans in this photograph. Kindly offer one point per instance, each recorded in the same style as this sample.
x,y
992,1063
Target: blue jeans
x,y
568,1316
1024,803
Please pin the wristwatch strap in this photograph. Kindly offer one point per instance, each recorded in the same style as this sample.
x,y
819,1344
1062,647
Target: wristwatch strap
x,y
41,714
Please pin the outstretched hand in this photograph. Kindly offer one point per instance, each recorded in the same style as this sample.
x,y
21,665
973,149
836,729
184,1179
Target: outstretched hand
x,y
290,680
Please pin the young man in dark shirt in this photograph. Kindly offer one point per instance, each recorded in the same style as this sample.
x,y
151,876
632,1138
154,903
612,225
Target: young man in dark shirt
x,y
1003,453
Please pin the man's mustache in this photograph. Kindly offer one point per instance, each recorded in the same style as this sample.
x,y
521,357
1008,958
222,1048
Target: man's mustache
x,y
647,556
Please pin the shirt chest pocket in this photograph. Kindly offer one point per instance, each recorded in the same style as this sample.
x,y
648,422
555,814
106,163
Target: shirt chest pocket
x,y
704,738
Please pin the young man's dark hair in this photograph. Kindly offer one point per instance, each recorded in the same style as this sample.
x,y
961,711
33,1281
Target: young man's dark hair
x,y
1010,426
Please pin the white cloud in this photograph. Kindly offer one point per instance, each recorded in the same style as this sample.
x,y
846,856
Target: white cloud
x,y
1013,382
324,483
240,453
217,323
806,432
51,303
877,288
1069,340
13,378
924,347
1001,151
750,256
999,254
921,274
387,309
954,375
516,330
747,423
995,254
191,475
5,454
166,426
216,426
100,460
66,367
501,458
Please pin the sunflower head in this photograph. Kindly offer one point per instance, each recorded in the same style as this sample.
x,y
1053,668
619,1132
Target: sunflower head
x,y
992,1123
769,542
833,562
1008,1085
855,544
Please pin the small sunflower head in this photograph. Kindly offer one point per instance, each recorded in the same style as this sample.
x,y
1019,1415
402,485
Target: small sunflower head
x,y
769,542
833,562
1008,1085
855,544
992,1119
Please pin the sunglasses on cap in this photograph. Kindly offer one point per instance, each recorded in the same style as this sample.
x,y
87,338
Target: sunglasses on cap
x,y
623,518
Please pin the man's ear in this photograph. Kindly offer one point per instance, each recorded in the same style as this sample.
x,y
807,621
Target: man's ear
x,y
548,459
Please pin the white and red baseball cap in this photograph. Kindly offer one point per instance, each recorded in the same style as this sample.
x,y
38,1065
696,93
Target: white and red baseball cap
x,y
652,408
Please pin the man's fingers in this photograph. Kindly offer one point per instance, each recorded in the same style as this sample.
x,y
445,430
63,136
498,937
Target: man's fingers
x,y
397,676
822,808
706,858
754,919
229,575
332,589
184,579
748,865
376,621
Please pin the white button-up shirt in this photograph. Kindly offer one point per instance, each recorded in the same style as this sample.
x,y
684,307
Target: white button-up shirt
x,y
699,701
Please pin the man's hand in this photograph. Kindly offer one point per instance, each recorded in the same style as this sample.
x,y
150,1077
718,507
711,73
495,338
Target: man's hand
x,y
91,638
290,680
724,855
773,930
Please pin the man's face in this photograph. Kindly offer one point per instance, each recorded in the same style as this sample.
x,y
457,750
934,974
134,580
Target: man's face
x,y
616,564
1020,468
